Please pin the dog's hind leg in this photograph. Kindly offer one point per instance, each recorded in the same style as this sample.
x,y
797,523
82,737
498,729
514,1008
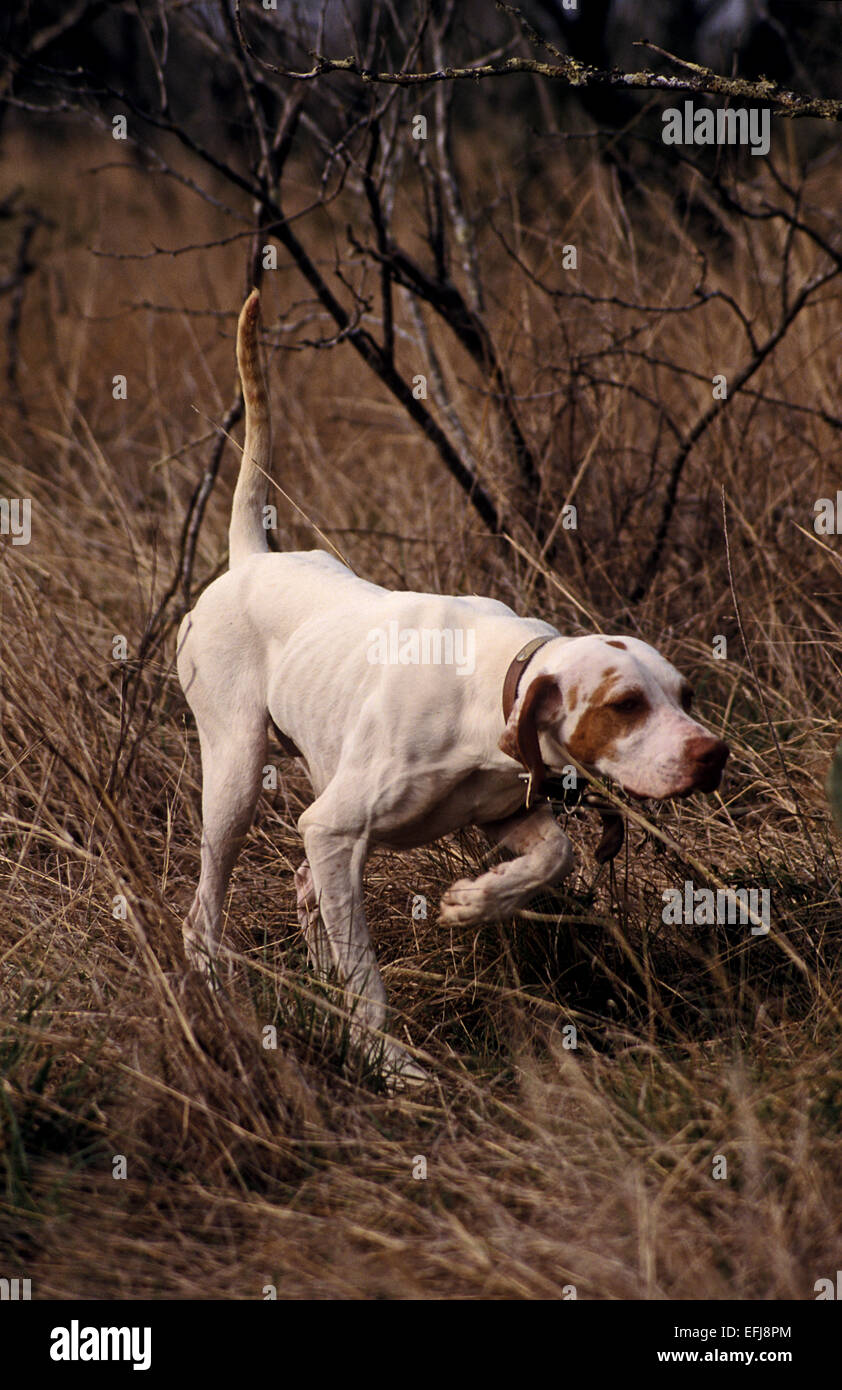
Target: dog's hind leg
x,y
231,778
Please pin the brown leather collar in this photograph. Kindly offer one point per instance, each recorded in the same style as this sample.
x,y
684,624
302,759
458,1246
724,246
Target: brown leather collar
x,y
516,669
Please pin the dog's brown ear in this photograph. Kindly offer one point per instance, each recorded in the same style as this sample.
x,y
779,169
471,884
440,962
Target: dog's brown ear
x,y
541,699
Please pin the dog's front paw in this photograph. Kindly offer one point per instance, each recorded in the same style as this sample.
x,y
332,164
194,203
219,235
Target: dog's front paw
x,y
401,1071
196,952
464,903
200,959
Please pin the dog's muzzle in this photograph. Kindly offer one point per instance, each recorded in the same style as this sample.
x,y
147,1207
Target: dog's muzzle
x,y
708,757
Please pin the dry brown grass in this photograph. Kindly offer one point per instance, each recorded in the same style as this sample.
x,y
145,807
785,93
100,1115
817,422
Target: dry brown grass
x,y
546,1167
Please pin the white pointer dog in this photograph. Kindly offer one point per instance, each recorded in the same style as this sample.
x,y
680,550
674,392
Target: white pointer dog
x,y
400,752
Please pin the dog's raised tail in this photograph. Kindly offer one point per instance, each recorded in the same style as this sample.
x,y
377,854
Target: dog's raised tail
x,y
246,533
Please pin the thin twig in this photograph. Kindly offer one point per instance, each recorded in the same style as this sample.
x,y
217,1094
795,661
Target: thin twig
x,y
581,76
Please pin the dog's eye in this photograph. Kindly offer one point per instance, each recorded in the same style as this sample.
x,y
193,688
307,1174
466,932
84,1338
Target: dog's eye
x,y
629,704
686,699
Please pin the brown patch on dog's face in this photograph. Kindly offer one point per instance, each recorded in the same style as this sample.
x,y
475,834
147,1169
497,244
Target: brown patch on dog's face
x,y
621,645
572,696
604,721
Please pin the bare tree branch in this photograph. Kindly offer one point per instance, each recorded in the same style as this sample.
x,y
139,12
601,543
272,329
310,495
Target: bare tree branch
x,y
715,409
570,72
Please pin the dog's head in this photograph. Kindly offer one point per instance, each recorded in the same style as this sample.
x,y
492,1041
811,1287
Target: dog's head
x,y
621,710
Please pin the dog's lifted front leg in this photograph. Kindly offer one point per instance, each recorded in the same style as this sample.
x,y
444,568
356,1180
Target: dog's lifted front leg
x,y
336,860
545,856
